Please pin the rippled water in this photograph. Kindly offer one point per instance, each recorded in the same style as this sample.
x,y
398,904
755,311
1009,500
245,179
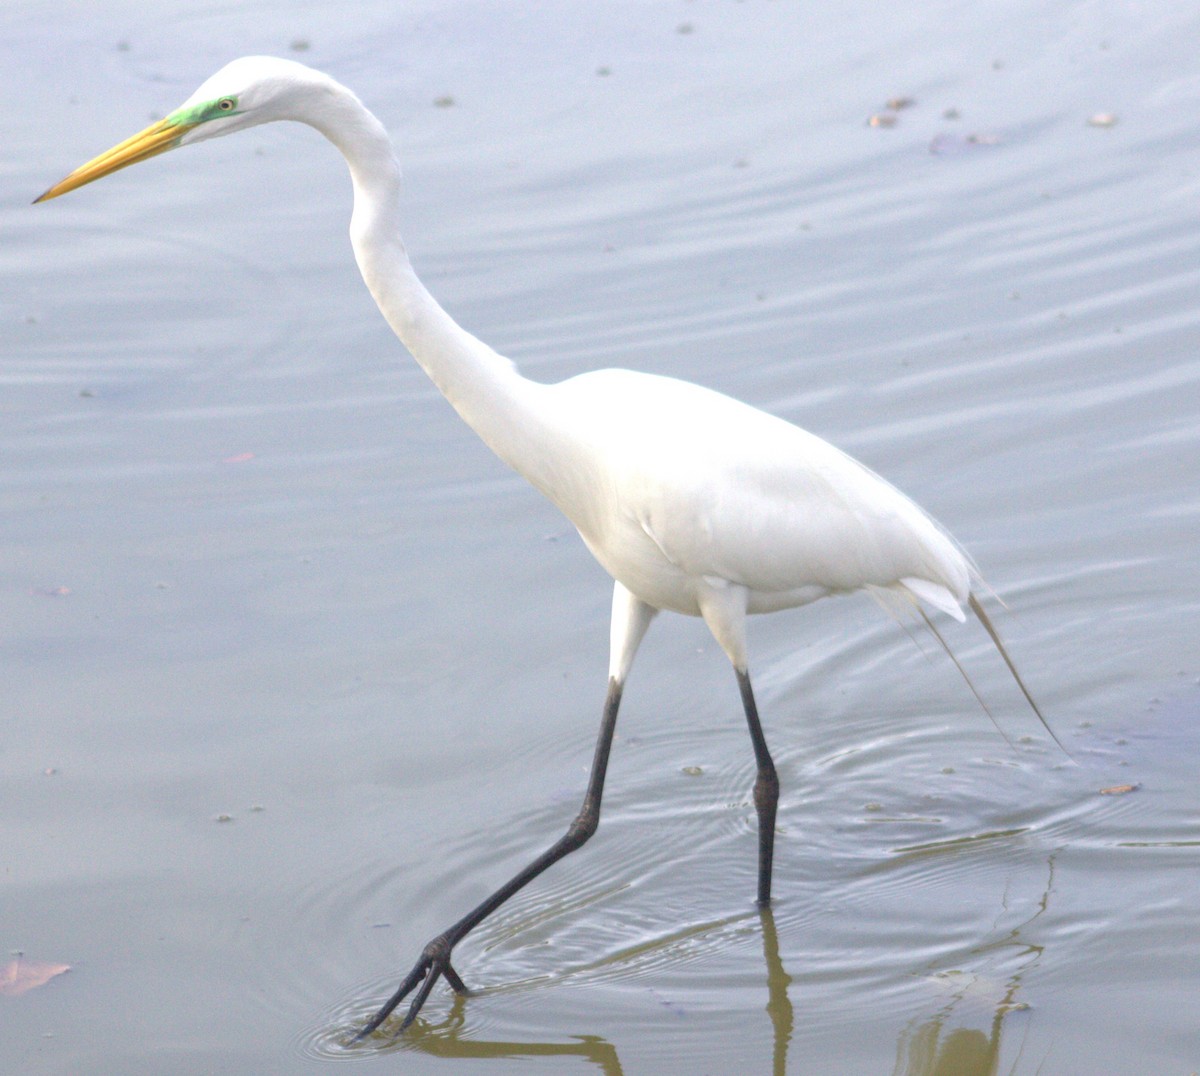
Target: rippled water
x,y
296,672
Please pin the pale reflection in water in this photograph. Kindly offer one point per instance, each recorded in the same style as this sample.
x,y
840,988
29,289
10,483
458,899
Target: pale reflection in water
x,y
943,1044
940,1045
445,1039
779,1005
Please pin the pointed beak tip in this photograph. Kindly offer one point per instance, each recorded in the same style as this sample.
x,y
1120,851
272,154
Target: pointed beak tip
x,y
155,139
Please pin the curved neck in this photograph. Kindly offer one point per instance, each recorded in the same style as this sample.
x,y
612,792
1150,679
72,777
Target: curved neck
x,y
484,387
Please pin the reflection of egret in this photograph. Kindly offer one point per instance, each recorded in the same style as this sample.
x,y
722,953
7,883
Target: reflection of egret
x,y
935,1046
779,1005
445,1041
692,501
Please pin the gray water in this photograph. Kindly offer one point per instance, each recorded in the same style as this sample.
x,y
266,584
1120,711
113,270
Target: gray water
x,y
295,671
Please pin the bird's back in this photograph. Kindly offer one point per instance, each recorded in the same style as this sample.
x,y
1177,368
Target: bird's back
x,y
683,483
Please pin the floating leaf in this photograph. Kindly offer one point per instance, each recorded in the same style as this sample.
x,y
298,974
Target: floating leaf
x,y
21,975
1118,790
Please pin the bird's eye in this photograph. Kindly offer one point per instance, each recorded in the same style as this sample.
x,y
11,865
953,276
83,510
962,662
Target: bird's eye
x,y
227,104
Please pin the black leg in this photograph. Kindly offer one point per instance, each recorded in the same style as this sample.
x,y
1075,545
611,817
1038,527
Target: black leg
x,y
766,791
434,962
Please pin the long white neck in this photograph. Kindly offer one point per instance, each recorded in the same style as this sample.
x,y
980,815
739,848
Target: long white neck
x,y
485,388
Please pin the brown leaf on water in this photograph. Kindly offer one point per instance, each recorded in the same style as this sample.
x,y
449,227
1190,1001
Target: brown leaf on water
x,y
1118,790
20,975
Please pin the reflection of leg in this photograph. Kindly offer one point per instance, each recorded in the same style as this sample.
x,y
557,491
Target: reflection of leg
x,y
766,791
434,962
779,1005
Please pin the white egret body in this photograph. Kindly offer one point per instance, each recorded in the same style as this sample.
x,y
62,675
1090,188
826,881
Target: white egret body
x,y
692,501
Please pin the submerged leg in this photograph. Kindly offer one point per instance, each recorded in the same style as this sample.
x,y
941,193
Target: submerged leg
x,y
766,790
434,962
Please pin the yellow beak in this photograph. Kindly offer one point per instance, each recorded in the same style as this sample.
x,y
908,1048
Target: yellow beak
x,y
155,139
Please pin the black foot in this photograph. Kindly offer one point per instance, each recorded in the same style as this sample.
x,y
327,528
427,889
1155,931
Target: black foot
x,y
433,964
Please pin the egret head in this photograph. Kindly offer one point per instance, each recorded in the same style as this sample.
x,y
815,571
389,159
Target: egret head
x,y
244,93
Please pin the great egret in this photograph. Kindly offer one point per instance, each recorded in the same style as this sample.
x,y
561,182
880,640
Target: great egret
x,y
692,501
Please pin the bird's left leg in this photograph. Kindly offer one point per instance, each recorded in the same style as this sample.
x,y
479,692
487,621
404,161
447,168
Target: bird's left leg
x,y
630,619
766,790
434,962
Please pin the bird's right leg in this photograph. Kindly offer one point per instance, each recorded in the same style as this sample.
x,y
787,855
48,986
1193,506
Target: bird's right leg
x,y
723,606
766,790
434,962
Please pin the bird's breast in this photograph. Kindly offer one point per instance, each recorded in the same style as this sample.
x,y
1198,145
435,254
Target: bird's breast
x,y
631,556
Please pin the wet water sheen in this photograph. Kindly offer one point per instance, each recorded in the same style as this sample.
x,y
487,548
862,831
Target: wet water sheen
x,y
296,671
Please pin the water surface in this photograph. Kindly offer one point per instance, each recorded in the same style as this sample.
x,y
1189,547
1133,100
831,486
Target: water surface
x,y
296,671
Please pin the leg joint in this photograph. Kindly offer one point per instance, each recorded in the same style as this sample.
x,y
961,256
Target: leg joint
x,y
585,825
438,950
766,789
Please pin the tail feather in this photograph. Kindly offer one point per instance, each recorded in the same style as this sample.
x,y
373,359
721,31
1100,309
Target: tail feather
x,y
963,673
986,621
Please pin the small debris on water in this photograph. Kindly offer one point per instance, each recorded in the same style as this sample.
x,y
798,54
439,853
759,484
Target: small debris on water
x,y
692,771
946,144
1102,119
667,1003
1118,790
